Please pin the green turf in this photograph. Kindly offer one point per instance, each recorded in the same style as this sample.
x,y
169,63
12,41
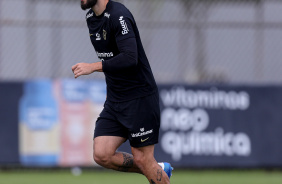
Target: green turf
x,y
102,177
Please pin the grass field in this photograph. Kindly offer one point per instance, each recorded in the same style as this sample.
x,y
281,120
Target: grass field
x,y
108,177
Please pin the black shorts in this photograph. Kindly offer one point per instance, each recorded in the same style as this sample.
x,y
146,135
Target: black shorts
x,y
137,120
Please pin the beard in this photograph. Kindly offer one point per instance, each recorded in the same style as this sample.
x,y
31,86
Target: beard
x,y
88,4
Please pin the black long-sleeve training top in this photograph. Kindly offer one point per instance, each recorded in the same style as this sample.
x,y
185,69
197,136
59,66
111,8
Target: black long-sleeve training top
x,y
116,40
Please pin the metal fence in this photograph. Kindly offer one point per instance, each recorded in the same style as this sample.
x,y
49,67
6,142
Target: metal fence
x,y
191,41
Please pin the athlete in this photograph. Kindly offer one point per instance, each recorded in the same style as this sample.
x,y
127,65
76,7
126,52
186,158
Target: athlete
x,y
131,110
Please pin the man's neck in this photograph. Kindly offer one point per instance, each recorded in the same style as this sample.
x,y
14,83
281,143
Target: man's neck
x,y
100,7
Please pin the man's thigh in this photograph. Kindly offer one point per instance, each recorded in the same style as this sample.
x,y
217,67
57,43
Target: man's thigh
x,y
107,145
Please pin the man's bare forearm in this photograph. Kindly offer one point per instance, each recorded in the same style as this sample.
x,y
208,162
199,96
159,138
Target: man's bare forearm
x,y
86,68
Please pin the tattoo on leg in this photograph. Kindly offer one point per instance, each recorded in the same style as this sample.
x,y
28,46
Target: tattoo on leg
x,y
159,175
127,162
152,182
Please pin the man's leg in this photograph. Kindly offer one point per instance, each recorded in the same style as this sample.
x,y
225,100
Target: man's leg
x,y
144,159
105,154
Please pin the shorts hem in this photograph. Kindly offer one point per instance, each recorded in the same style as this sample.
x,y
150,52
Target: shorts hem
x,y
144,144
110,135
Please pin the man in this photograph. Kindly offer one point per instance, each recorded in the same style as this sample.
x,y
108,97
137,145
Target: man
x,y
131,110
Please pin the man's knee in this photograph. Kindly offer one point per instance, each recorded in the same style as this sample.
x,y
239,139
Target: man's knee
x,y
101,154
102,158
104,149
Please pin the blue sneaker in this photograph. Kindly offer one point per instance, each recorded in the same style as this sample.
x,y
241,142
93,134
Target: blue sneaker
x,y
167,168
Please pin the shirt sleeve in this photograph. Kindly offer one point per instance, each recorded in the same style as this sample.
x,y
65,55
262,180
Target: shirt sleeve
x,y
123,26
126,43
127,58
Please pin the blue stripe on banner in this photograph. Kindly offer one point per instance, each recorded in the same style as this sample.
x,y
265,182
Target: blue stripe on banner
x,y
39,160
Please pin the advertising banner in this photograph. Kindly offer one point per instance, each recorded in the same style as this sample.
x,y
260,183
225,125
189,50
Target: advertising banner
x,y
220,126
10,94
80,105
51,123
39,129
57,121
